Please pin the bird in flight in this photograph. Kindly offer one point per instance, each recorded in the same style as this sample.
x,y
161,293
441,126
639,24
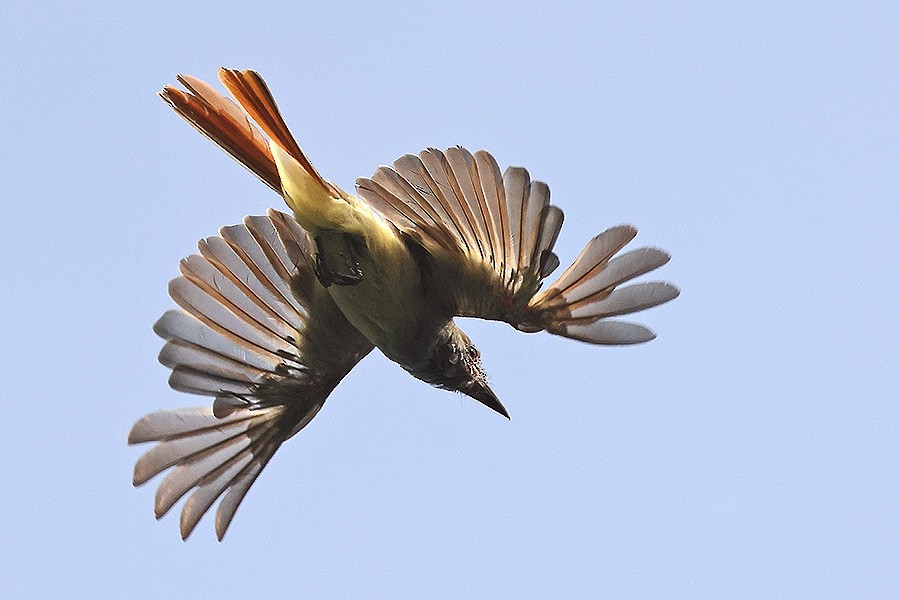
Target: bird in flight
x,y
274,312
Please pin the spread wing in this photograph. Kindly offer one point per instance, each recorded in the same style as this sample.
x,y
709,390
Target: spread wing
x,y
260,334
491,236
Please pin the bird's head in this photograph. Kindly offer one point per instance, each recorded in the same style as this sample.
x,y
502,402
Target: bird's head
x,y
464,373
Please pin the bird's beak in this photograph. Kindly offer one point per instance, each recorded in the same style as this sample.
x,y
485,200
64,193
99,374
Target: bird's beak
x,y
484,394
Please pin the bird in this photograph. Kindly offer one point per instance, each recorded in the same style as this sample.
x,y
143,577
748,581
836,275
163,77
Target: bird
x,y
275,311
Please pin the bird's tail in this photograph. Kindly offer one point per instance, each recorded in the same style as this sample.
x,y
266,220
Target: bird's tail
x,y
273,154
226,124
578,304
214,455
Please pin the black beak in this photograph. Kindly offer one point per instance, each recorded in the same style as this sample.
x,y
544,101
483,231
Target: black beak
x,y
484,394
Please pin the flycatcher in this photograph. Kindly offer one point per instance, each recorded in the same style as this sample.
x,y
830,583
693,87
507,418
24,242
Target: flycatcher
x,y
276,311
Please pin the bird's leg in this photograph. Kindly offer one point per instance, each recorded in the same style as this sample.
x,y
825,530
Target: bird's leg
x,y
337,260
322,273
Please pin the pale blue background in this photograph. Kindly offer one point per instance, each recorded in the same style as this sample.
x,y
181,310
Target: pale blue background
x,y
751,451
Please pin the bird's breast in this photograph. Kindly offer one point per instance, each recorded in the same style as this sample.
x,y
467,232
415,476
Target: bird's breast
x,y
388,304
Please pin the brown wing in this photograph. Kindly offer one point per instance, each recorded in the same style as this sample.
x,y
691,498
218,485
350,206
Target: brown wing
x,y
491,239
257,332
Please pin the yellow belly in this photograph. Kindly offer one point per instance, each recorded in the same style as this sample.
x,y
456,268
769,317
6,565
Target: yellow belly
x,y
387,305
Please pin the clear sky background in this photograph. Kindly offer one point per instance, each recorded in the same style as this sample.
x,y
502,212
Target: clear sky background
x,y
751,451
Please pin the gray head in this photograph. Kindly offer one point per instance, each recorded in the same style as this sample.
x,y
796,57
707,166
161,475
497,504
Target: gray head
x,y
455,364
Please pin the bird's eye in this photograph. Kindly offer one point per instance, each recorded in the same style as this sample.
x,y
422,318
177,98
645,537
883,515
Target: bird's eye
x,y
473,351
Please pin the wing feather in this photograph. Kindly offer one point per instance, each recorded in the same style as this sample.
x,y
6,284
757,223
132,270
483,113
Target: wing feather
x,y
258,332
177,325
501,232
211,488
238,489
497,214
603,332
517,185
445,189
203,275
463,177
180,352
551,224
490,235
625,300
591,260
412,169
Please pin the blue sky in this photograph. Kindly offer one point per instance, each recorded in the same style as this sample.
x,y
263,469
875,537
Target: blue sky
x,y
751,451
